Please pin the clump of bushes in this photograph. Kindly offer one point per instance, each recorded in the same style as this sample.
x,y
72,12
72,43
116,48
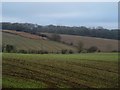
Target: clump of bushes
x,y
8,48
70,52
92,49
22,51
71,44
33,51
80,46
55,37
12,49
64,51
84,51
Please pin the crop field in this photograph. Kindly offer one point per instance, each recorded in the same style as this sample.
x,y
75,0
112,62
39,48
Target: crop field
x,y
23,34
101,43
91,70
24,43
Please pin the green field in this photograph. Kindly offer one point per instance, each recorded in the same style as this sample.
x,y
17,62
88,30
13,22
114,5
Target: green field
x,y
22,43
91,70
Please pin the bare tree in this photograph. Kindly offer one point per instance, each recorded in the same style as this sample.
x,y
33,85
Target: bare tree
x,y
56,37
80,46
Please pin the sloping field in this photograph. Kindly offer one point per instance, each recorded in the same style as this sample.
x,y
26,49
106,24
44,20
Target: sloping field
x,y
25,43
91,70
23,34
102,44
0,39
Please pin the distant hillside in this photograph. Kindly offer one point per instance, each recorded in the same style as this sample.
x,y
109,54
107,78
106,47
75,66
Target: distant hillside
x,y
24,34
80,31
26,43
102,44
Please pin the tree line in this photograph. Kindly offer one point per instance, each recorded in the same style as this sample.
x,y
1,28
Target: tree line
x,y
99,32
12,49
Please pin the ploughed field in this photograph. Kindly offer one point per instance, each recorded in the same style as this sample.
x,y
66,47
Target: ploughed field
x,y
91,70
102,43
31,42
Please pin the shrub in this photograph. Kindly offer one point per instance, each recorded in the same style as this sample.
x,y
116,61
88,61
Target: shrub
x,y
92,49
55,37
84,51
71,43
99,51
22,51
10,48
45,52
70,52
114,51
80,46
3,48
64,51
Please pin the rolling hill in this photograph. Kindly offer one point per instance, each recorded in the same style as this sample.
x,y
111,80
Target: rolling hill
x,y
26,43
101,43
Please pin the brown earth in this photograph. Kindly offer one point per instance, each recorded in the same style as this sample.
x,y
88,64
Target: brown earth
x,y
23,34
101,43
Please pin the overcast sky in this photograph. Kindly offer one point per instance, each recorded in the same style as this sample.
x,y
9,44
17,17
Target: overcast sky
x,y
71,14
